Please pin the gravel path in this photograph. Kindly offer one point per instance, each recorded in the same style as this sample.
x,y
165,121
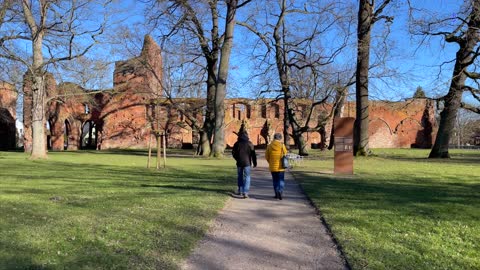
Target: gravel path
x,y
264,233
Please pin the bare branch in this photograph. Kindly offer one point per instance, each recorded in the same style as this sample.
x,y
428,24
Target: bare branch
x,y
470,107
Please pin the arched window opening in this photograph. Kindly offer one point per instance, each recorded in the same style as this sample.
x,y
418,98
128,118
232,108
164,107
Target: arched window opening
x,y
240,111
264,110
276,109
48,126
89,135
66,134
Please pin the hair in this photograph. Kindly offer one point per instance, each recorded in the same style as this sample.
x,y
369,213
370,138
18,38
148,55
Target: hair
x,y
277,136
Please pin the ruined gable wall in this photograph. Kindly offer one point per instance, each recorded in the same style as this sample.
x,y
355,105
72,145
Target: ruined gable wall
x,y
124,114
263,118
67,114
406,124
119,114
8,98
392,124
136,84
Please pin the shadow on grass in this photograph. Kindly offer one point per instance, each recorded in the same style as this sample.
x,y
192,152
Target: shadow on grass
x,y
176,153
457,157
375,215
407,191
161,210
189,187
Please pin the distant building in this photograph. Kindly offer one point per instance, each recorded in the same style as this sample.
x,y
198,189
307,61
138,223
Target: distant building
x,y
127,115
476,139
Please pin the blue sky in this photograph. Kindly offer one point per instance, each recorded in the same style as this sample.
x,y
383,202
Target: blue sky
x,y
420,64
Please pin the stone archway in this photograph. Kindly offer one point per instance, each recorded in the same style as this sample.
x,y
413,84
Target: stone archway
x,y
381,135
88,136
67,130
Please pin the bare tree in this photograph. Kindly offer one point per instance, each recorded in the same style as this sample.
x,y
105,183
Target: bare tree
x,y
367,16
188,20
55,33
4,7
461,29
89,72
294,51
464,127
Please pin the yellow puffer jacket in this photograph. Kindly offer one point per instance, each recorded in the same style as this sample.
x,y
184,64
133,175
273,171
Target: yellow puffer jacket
x,y
274,152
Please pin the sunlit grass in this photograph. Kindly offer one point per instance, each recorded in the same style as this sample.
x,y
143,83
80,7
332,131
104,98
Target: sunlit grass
x,y
401,210
100,210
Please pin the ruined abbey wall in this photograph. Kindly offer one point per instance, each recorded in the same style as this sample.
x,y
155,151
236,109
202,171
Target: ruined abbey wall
x,y
127,115
392,124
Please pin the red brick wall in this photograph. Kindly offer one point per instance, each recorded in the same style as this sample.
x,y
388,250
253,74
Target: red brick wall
x,y
123,115
8,115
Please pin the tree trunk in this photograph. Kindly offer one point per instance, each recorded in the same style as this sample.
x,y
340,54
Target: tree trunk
x,y
464,58
286,117
301,144
39,140
204,144
206,135
365,16
219,135
446,127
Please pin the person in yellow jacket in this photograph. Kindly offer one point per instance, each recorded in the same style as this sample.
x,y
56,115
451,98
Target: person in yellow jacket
x,y
274,153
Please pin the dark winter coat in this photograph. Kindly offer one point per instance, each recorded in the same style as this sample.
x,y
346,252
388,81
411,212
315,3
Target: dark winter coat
x,y
244,152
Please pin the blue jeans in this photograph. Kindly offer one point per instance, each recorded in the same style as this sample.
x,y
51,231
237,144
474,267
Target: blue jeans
x,y
243,179
278,181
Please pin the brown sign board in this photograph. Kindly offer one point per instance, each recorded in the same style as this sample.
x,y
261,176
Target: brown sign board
x,y
343,136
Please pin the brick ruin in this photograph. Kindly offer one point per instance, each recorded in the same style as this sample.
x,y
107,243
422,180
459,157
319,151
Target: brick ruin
x,y
8,101
126,115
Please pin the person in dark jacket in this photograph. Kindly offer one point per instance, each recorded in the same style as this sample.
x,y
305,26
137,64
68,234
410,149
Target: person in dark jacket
x,y
244,153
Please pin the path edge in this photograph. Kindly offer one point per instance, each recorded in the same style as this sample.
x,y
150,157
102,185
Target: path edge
x,y
324,222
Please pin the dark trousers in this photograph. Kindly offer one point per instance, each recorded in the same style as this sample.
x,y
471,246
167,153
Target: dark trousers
x,y
278,181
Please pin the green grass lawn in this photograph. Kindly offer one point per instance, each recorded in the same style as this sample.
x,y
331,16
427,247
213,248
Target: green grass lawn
x,y
105,210
401,210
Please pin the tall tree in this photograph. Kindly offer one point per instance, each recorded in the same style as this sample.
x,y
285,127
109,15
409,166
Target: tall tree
x,y
461,29
54,30
367,16
296,52
187,21
221,83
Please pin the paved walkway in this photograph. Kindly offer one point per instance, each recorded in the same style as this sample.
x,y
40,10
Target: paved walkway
x,y
264,233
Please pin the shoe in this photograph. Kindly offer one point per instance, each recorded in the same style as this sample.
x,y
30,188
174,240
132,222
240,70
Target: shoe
x,y
276,195
280,196
245,196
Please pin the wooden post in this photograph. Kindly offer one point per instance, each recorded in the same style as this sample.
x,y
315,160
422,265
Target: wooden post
x,y
158,150
149,150
164,150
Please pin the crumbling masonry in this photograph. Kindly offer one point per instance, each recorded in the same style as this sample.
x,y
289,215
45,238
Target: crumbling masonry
x,y
127,115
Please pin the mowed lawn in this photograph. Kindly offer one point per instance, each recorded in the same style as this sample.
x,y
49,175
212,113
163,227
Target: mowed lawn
x,y
401,210
101,210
